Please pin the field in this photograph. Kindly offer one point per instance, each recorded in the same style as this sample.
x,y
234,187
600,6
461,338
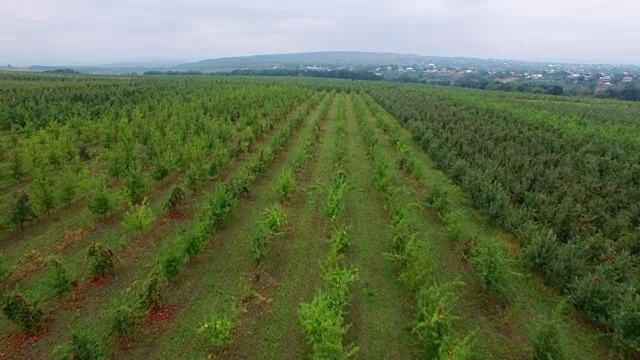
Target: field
x,y
270,218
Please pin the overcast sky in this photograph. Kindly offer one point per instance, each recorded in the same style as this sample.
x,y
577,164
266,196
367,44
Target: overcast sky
x,y
78,32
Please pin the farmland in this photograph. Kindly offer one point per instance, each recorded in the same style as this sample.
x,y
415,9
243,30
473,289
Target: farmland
x,y
268,218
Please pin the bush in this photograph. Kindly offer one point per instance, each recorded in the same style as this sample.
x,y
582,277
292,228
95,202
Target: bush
x,y
217,332
271,225
85,348
595,296
437,198
21,210
335,204
193,241
220,204
101,203
139,217
22,313
433,326
134,186
101,259
339,241
275,219
150,290
61,280
159,172
68,187
43,194
285,184
175,200
626,321
325,329
546,338
259,242
123,320
493,267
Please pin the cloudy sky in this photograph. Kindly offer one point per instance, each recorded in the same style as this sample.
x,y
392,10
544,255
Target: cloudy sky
x,y
76,32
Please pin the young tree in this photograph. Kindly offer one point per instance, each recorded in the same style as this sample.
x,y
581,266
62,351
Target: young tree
x,y
21,210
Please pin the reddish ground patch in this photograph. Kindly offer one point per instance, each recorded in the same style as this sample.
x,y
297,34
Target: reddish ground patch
x,y
18,343
95,282
161,312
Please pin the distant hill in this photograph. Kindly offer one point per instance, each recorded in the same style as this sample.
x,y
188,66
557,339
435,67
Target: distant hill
x,y
327,58
111,69
334,60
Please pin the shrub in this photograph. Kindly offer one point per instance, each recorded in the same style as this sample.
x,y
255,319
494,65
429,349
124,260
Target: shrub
x,y
546,338
16,165
101,203
325,329
220,204
193,241
159,172
275,219
139,217
595,295
170,264
123,320
271,225
626,321
285,184
134,186
150,290
493,267
437,198
68,187
175,200
335,204
218,331
21,210
101,259
61,280
339,241
260,238
84,347
22,313
433,326
43,194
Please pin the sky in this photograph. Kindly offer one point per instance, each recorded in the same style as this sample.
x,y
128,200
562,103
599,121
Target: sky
x,y
86,32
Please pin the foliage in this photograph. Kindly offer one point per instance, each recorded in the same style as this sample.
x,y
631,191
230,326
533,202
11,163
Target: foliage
x,y
139,217
21,210
43,195
626,322
83,347
134,186
270,226
285,184
61,279
123,320
337,189
101,259
493,267
217,332
150,289
546,338
433,326
22,313
175,200
101,202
